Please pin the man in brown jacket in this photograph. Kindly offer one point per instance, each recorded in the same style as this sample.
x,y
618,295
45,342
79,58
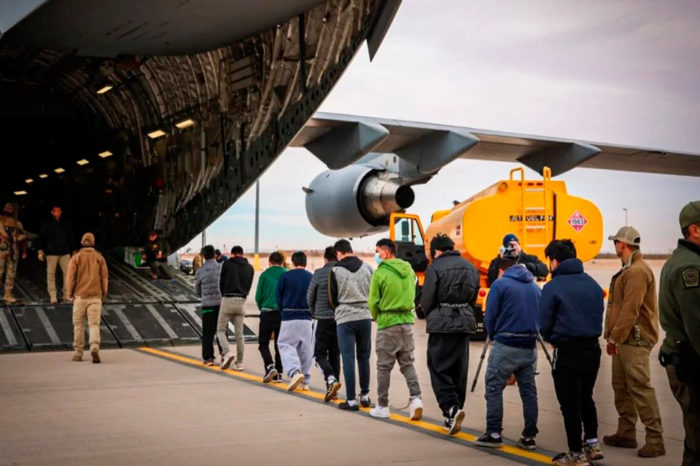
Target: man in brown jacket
x,y
631,330
87,287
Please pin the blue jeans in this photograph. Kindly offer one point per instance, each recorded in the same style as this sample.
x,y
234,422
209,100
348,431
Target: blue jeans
x,y
505,360
351,334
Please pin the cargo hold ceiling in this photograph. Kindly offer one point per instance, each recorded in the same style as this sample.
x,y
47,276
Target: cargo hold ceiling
x,y
171,116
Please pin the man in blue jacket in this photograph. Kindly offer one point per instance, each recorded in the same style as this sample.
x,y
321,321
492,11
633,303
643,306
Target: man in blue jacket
x,y
512,322
572,320
296,336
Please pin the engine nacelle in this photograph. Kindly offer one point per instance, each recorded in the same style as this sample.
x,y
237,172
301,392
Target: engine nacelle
x,y
355,201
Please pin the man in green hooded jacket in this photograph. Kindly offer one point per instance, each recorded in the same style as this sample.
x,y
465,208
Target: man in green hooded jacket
x,y
391,301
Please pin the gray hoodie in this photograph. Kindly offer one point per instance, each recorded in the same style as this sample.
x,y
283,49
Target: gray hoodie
x,y
350,279
317,295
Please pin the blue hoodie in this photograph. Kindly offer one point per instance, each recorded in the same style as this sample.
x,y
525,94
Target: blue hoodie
x,y
572,305
291,294
513,309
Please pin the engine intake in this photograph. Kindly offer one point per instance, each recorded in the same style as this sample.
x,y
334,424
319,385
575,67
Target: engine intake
x,y
355,201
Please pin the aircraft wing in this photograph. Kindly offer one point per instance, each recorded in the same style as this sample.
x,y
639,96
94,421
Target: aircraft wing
x,y
339,140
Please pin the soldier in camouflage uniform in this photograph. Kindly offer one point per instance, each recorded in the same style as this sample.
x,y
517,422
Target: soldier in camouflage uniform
x,y
679,307
11,233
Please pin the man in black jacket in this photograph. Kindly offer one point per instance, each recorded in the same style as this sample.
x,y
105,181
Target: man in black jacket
x,y
572,320
326,351
449,294
531,262
234,282
56,243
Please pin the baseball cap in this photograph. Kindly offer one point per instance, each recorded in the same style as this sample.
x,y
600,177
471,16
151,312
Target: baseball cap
x,y
508,238
628,235
690,214
88,239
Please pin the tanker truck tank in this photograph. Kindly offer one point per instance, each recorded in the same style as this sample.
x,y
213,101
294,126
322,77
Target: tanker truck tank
x,y
536,211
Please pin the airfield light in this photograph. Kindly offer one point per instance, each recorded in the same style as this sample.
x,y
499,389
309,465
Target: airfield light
x,y
105,88
59,170
20,193
105,154
156,134
82,162
29,180
43,175
185,123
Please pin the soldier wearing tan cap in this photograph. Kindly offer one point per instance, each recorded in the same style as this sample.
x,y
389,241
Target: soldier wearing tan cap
x,y
632,329
87,287
679,307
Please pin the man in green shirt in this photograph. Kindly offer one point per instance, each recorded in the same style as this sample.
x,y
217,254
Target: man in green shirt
x,y
270,319
679,313
391,301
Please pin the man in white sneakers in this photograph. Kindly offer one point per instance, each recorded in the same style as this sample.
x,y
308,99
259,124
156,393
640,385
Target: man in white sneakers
x,y
391,301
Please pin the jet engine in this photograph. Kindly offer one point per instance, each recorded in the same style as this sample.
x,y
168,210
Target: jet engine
x,y
355,201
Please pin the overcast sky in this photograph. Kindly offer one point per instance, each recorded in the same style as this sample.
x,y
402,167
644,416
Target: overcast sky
x,y
622,72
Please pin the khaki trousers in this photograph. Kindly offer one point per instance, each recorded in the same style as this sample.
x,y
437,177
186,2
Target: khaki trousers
x,y
51,263
90,308
394,344
634,395
231,309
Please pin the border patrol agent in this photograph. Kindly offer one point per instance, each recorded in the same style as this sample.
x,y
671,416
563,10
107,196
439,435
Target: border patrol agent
x,y
679,306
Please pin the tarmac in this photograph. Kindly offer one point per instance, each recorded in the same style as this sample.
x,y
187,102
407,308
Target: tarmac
x,y
161,405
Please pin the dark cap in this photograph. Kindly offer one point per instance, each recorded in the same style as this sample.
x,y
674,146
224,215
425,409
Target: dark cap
x,y
508,238
690,214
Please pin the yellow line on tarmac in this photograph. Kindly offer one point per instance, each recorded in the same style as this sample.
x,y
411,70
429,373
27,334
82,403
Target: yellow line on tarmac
x,y
422,425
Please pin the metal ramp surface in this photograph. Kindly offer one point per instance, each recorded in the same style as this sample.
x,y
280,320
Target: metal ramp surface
x,y
50,327
193,313
138,311
11,338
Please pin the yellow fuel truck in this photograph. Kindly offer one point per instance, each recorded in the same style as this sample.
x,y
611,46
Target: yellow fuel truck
x,y
536,211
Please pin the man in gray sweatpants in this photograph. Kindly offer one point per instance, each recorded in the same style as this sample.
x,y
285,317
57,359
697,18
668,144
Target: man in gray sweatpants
x,y
296,341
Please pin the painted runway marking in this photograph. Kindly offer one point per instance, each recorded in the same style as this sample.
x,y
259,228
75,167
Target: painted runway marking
x,y
425,426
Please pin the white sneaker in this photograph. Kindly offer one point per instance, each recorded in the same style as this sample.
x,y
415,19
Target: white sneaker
x,y
380,411
227,360
416,406
296,379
